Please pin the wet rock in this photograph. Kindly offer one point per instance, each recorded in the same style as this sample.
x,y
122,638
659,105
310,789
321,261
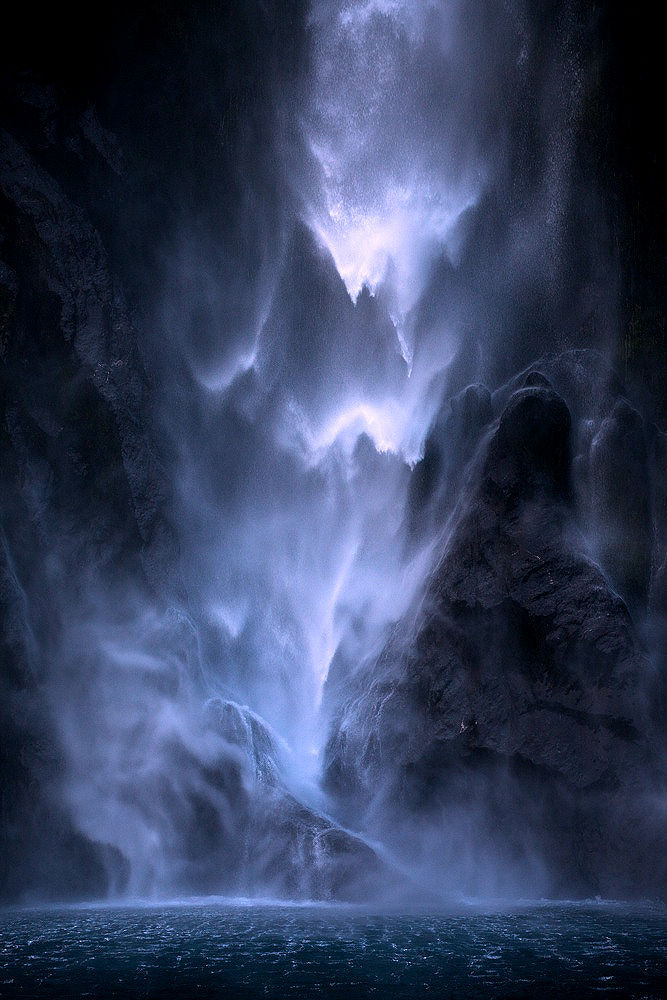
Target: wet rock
x,y
74,354
530,450
228,823
619,496
450,444
300,854
658,478
516,684
82,485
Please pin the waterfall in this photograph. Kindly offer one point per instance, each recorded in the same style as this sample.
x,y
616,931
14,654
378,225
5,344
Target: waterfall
x,y
354,229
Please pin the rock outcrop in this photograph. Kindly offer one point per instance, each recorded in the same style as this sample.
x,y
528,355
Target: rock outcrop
x,y
212,813
515,689
290,850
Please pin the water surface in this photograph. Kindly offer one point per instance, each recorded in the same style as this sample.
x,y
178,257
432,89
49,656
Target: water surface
x,y
220,949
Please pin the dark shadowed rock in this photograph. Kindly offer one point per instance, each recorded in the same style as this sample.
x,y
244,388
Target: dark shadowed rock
x,y
227,823
619,484
515,688
81,486
658,465
300,854
530,450
658,592
618,468
450,444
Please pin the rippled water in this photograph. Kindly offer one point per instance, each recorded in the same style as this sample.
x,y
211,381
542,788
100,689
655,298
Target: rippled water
x,y
235,950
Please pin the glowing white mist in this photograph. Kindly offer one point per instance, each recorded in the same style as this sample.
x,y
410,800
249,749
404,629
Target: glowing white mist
x,y
393,182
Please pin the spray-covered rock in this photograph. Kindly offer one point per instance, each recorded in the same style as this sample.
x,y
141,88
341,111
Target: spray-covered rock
x,y
515,685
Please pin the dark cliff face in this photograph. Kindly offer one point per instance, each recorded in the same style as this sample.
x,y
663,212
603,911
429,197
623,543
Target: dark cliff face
x,y
517,691
81,487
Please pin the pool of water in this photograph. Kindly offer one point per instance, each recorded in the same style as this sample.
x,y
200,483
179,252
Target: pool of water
x,y
222,949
